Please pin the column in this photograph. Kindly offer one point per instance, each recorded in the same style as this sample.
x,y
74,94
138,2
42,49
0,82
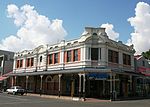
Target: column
x,y
110,86
59,84
12,81
114,87
79,85
143,86
15,80
131,88
41,85
84,79
27,83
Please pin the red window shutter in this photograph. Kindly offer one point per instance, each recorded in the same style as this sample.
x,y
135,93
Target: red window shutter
x,y
72,55
79,54
65,56
53,58
30,62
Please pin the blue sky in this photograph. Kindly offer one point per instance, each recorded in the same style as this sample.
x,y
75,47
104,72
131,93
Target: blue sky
x,y
76,14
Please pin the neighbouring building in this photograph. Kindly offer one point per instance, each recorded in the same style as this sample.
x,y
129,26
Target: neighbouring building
x,y
142,66
91,66
6,66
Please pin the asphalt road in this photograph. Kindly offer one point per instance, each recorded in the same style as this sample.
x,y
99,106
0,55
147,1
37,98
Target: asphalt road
x,y
32,101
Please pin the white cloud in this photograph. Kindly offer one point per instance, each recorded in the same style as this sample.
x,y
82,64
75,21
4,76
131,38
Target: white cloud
x,y
34,29
110,31
141,24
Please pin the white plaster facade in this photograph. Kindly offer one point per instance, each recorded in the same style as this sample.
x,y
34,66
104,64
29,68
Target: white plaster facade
x,y
92,38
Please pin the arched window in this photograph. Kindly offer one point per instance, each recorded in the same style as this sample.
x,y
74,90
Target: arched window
x,y
40,58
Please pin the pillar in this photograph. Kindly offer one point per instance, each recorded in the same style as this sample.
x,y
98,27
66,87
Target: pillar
x,y
110,86
15,80
84,80
12,81
27,83
59,84
79,85
41,85
114,87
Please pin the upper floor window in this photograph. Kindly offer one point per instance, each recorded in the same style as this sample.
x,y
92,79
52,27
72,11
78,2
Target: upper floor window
x,y
143,63
126,59
19,63
69,56
56,58
94,53
29,62
75,53
32,61
113,56
53,58
50,59
40,58
72,55
1,61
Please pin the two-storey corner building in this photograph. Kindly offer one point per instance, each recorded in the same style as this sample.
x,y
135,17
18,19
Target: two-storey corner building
x,y
6,66
142,67
91,66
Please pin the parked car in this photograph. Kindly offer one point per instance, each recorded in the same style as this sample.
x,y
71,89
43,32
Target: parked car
x,y
15,90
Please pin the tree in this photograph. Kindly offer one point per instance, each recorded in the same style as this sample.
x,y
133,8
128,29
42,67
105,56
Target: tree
x,y
146,54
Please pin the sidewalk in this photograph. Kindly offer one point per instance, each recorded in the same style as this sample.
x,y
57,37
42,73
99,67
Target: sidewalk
x,y
68,98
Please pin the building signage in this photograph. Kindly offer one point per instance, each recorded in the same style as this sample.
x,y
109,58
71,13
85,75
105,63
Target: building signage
x,y
98,76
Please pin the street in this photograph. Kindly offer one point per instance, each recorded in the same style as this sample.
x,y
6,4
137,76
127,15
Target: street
x,y
7,100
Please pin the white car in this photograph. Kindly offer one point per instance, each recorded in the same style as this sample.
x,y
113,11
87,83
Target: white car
x,y
15,90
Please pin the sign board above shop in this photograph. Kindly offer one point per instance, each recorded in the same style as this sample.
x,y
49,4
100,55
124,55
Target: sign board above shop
x,y
98,76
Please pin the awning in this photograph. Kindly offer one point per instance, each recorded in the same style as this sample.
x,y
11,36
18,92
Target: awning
x,y
146,74
3,78
64,71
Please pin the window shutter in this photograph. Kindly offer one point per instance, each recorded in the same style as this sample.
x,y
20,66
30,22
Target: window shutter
x,y
72,55
58,57
65,56
53,58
